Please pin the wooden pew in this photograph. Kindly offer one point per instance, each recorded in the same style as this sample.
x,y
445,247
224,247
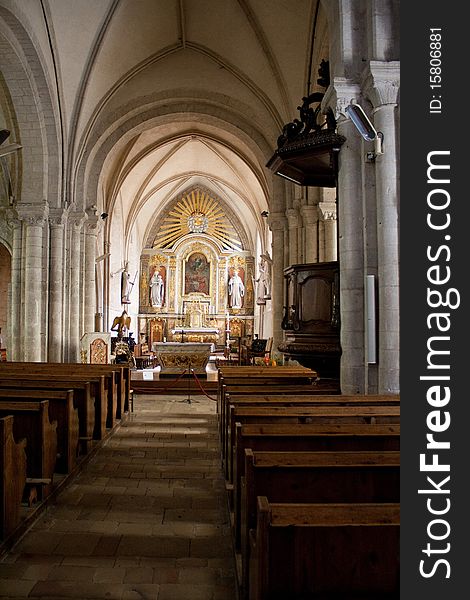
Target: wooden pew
x,y
320,551
303,414
62,410
83,399
285,437
305,399
321,477
284,388
95,411
278,377
253,375
107,377
12,476
31,421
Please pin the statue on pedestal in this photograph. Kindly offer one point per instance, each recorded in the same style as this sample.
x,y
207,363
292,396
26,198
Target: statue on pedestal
x,y
264,279
236,290
121,324
157,290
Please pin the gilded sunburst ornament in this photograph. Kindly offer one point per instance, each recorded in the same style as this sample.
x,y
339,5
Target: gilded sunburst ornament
x,y
197,213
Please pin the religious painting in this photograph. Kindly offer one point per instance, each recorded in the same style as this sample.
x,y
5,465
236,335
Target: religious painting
x,y
157,286
236,287
157,331
197,274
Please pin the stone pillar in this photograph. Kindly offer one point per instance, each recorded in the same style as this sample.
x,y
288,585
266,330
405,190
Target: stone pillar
x,y
76,298
382,87
330,242
35,308
293,223
351,245
277,223
310,219
15,342
57,220
89,280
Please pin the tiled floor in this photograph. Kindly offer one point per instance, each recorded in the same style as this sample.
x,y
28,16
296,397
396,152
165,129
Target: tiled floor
x,y
145,519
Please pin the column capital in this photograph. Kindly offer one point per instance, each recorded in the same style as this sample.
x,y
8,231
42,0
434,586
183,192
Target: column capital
x,y
340,94
12,219
58,216
381,82
77,219
33,214
93,224
309,214
277,221
293,218
328,211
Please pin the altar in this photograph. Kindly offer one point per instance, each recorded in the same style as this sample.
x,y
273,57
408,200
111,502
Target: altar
x,y
195,334
175,357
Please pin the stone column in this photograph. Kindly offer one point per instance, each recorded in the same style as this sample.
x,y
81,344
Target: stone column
x,y
16,338
351,245
76,298
35,308
57,220
277,223
89,281
329,248
293,223
382,87
310,219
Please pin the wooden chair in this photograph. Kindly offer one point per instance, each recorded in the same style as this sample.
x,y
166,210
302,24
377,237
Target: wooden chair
x,y
260,348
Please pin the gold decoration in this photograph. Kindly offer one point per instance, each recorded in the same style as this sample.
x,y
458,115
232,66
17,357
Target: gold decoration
x,y
197,213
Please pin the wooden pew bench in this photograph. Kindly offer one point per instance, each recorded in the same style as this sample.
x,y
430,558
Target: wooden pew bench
x,y
285,437
284,380
321,477
12,476
102,389
61,410
304,399
83,400
31,421
253,375
110,374
303,414
284,388
320,551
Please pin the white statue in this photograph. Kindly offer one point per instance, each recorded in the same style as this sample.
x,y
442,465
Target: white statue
x,y
264,279
126,285
236,290
157,290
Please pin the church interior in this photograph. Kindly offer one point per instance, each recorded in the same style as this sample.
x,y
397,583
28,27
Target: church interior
x,y
198,200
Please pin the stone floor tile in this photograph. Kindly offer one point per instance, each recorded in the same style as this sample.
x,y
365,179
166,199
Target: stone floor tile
x,y
109,575
184,591
15,588
138,575
145,518
71,573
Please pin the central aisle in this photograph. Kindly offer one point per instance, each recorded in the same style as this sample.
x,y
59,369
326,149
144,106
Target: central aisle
x,y
146,518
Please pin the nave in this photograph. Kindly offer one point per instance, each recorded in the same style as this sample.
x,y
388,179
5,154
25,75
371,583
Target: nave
x,y
146,517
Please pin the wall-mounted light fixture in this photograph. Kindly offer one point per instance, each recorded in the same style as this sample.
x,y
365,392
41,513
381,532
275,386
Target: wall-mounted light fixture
x,y
362,123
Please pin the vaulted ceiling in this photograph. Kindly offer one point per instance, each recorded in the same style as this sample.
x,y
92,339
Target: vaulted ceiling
x,y
158,96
